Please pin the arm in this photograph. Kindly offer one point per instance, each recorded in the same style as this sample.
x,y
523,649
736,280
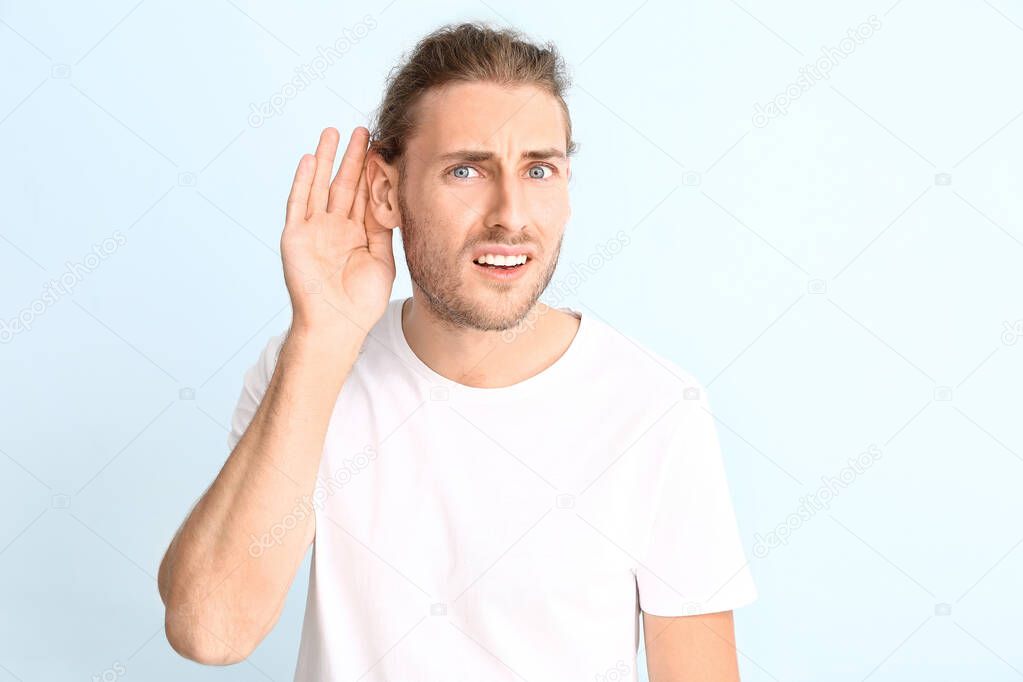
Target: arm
x,y
694,562
699,648
221,597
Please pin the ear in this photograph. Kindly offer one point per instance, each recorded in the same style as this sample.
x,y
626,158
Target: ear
x,y
382,181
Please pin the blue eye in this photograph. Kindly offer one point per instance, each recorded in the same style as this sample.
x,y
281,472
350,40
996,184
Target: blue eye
x,y
458,171
535,172
541,167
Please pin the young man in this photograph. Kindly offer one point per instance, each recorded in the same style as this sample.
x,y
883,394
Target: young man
x,y
493,488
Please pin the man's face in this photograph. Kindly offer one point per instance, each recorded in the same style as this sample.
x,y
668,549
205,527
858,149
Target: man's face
x,y
453,204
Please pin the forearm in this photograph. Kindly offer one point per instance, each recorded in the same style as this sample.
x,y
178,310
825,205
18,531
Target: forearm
x,y
222,589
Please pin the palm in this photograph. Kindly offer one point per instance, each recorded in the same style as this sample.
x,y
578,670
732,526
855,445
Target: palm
x,y
338,261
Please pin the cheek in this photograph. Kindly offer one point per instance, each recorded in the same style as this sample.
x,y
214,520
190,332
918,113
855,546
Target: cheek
x,y
446,224
441,214
449,207
551,210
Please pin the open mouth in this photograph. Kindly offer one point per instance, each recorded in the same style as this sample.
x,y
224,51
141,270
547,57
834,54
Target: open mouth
x,y
502,268
509,264
499,267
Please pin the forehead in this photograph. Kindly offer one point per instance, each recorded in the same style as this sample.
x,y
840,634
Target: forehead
x,y
486,116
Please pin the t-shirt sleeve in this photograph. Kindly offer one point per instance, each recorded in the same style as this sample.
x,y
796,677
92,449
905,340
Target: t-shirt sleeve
x,y
694,561
254,384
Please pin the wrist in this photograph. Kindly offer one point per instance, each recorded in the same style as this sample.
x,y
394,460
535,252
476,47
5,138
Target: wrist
x,y
332,351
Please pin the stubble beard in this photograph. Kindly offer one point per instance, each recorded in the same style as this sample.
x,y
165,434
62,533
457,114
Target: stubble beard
x,y
443,281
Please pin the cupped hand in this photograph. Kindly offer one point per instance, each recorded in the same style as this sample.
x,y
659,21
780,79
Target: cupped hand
x,y
338,260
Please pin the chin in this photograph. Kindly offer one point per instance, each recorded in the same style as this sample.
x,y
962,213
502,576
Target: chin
x,y
488,309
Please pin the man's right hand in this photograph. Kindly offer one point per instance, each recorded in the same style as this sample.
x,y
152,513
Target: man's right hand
x,y
338,261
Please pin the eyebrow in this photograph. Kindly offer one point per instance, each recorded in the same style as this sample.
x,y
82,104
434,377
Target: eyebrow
x,y
477,155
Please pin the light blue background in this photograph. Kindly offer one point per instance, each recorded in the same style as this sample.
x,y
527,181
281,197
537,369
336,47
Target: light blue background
x,y
815,273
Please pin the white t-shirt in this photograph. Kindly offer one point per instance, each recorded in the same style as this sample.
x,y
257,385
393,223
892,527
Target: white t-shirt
x,y
505,533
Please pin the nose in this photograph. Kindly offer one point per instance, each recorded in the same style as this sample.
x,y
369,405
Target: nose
x,y
508,204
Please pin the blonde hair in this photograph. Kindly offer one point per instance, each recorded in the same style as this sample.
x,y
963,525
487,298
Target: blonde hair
x,y
466,52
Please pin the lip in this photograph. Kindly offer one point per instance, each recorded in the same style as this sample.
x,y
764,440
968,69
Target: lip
x,y
501,250
500,274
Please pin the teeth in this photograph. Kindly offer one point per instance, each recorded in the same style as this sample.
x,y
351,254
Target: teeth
x,y
491,259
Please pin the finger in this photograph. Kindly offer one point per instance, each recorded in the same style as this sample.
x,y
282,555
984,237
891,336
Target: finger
x,y
298,200
325,152
342,190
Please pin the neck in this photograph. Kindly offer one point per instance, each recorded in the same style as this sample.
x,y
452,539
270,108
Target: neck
x,y
487,359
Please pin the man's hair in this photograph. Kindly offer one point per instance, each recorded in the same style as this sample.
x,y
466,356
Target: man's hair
x,y
466,52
